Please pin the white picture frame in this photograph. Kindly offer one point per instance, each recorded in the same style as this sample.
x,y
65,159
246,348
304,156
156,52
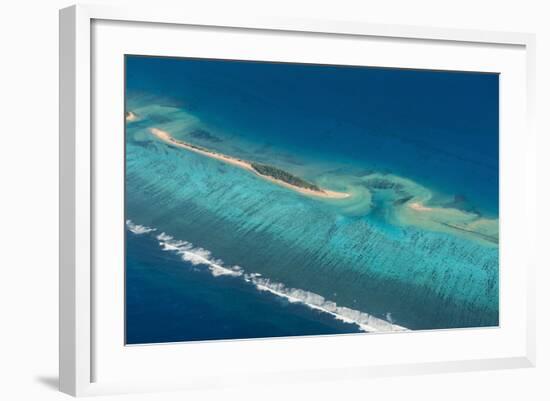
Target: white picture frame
x,y
78,158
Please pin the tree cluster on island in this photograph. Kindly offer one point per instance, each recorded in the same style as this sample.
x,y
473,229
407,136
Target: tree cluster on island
x,y
284,176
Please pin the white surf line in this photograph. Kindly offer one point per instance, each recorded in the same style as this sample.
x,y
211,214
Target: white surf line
x,y
196,256
339,316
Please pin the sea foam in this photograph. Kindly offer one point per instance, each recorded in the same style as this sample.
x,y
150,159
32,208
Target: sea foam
x,y
200,256
138,229
197,256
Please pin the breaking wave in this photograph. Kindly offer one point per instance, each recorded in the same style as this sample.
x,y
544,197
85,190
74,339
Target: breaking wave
x,y
197,256
138,229
200,256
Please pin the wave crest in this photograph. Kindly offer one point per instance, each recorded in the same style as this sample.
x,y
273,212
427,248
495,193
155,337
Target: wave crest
x,y
138,229
197,256
366,322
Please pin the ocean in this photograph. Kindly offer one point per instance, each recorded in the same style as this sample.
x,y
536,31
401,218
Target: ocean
x,y
215,252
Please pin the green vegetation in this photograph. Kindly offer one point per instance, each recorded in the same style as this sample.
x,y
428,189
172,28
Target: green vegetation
x,y
282,175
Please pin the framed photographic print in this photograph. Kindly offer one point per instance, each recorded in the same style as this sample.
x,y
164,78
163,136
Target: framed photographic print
x,y
294,200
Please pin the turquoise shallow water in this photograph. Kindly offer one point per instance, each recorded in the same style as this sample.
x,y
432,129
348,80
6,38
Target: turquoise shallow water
x,y
363,253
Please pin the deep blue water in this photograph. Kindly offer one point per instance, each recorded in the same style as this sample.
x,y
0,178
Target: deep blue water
x,y
334,126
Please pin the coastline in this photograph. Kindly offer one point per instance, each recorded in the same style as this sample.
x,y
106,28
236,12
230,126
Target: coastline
x,y
245,165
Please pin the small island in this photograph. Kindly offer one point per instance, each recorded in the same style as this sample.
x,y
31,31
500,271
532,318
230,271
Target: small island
x,y
265,171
